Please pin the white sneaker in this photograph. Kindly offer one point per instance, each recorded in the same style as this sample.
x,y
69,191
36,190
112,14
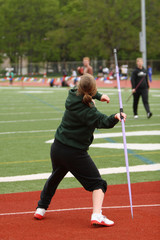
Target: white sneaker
x,y
99,219
135,116
149,114
39,213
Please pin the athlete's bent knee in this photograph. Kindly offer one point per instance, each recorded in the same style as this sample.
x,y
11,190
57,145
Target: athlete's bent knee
x,y
100,184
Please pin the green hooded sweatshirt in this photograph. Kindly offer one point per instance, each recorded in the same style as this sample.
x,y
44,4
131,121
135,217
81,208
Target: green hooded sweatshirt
x,y
79,122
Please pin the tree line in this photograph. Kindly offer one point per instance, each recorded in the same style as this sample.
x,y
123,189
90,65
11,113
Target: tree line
x,y
68,30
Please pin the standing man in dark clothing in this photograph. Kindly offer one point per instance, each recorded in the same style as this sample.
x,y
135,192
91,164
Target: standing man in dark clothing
x,y
140,87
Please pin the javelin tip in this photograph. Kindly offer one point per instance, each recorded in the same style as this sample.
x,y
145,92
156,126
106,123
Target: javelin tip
x,y
132,214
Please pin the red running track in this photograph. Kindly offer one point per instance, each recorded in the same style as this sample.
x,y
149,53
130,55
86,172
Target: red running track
x,y
64,221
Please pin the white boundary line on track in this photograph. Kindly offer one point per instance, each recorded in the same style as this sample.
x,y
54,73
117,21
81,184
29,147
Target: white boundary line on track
x,y
83,208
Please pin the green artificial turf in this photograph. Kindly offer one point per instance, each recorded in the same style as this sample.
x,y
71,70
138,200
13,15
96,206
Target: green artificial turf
x,y
29,117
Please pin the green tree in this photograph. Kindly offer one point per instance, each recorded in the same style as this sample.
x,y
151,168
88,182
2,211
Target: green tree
x,y
94,28
153,28
63,30
25,26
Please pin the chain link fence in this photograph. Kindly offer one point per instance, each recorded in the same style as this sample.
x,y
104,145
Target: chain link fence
x,y
56,68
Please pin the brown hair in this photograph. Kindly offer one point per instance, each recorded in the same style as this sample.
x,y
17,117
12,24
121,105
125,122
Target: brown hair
x,y
87,87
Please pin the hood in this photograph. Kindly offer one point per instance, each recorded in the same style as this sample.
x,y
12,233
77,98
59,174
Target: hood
x,y
73,101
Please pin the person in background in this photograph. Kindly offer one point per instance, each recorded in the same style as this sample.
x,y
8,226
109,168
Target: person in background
x,y
139,77
150,73
11,76
64,81
100,71
52,82
69,151
74,75
86,67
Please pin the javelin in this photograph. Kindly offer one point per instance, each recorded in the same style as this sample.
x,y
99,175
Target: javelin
x,y
135,89
123,131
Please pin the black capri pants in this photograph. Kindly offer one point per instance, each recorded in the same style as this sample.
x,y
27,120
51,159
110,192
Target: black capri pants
x,y
79,163
136,96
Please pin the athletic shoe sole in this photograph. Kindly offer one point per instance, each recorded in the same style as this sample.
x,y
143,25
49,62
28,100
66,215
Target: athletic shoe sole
x,y
96,223
38,216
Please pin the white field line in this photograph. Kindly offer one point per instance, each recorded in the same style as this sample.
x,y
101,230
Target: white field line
x,y
36,91
156,95
135,133
52,112
24,113
103,171
64,89
40,88
138,125
78,209
31,120
53,130
34,131
132,146
27,107
115,90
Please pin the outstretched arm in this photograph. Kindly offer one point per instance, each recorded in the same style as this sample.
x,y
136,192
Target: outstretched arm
x,y
101,97
105,98
118,116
